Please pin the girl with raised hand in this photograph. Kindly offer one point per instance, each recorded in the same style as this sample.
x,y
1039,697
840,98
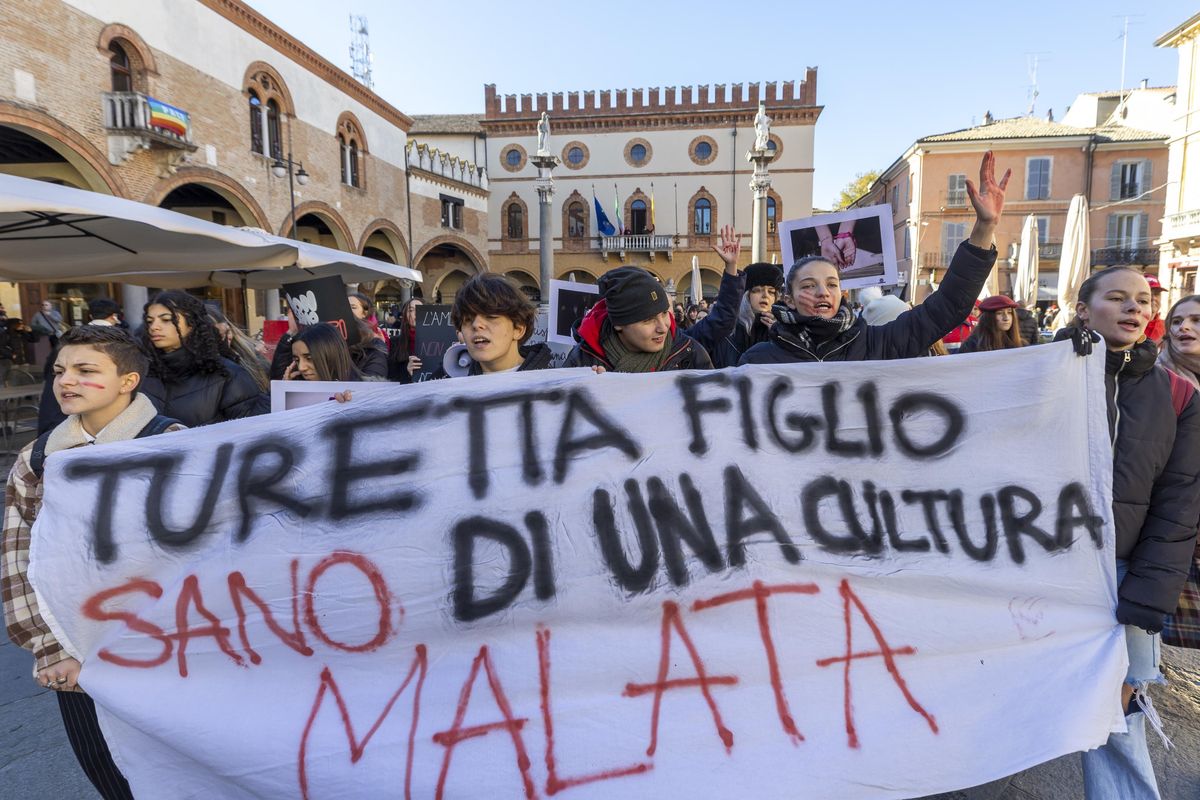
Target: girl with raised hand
x,y
813,324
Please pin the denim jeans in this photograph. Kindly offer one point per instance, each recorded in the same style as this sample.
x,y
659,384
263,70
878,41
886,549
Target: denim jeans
x,y
1121,769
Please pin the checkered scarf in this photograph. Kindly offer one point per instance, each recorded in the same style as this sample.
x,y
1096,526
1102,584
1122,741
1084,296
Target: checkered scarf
x,y
800,331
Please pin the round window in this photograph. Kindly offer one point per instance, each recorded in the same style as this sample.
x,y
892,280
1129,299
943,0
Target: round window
x,y
638,153
771,144
513,157
575,155
703,150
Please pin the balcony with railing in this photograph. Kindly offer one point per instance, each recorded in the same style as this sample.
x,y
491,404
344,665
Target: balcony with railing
x,y
936,260
651,243
1184,225
1051,251
1116,256
136,114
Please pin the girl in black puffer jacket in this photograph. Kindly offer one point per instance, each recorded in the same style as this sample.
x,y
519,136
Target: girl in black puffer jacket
x,y
1155,428
193,376
813,324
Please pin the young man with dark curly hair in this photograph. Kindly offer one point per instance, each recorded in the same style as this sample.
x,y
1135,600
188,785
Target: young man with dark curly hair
x,y
495,320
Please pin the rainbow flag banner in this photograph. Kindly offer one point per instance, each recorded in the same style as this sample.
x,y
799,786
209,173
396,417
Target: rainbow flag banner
x,y
168,118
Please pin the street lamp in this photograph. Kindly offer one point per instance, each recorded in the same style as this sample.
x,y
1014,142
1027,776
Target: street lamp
x,y
289,168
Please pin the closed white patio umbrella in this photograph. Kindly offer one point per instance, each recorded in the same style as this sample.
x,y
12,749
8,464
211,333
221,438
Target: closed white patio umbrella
x,y
1074,263
1025,288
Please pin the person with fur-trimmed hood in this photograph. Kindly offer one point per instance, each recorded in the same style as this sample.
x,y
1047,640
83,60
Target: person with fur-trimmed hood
x,y
631,329
763,284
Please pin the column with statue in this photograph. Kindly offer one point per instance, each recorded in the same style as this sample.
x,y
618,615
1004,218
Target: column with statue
x,y
760,156
545,161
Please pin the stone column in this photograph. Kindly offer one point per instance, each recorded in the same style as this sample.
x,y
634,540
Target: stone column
x,y
760,185
272,303
545,163
133,300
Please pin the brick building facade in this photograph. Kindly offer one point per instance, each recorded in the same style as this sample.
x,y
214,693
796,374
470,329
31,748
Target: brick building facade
x,y
1108,156
77,78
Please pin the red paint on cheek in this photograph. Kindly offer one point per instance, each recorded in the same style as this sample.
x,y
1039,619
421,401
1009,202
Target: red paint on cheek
x,y
92,385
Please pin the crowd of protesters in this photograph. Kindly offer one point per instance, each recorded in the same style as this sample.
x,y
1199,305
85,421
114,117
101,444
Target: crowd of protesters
x,y
189,366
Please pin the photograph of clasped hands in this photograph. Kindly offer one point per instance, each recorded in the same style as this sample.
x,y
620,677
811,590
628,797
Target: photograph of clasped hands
x,y
853,245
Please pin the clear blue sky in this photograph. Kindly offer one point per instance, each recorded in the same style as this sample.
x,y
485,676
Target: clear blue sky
x,y
889,72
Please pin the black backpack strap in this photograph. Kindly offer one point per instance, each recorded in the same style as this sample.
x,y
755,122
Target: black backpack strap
x,y
37,458
156,426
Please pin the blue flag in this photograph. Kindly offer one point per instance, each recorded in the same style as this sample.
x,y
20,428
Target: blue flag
x,y
605,227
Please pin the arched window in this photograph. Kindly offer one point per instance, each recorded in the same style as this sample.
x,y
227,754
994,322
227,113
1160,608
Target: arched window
x,y
576,227
268,95
354,164
702,220
637,217
516,222
274,140
122,72
256,123
343,155
771,218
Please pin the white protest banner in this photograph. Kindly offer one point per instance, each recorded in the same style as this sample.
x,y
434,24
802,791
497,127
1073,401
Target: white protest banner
x,y
845,580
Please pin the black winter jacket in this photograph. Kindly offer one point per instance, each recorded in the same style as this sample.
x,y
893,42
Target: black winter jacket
x,y
716,331
196,398
910,335
1156,482
371,358
1028,325
685,354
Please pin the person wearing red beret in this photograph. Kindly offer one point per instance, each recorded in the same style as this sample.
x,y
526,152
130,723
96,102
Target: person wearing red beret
x,y
997,328
1156,329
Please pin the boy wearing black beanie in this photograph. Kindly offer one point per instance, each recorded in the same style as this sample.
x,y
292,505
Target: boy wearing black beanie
x,y
631,328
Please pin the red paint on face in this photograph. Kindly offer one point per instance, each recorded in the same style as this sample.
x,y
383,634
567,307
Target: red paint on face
x,y
91,385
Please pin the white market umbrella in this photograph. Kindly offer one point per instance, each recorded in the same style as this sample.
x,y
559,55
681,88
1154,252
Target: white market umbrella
x,y
50,232
1074,261
1025,289
696,286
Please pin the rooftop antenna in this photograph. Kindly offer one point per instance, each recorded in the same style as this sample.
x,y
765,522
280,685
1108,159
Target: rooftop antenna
x,y
360,51
1032,62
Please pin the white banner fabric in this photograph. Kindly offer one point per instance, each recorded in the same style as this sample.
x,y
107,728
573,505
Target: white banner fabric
x,y
848,580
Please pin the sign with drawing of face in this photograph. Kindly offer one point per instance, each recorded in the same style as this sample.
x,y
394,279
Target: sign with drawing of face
x,y
322,300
